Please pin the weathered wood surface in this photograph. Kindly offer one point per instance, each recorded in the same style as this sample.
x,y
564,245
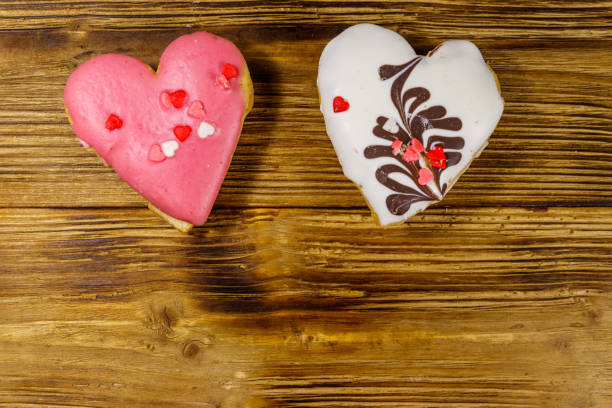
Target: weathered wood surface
x,y
290,296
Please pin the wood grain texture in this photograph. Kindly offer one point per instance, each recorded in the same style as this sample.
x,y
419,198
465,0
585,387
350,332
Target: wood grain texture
x,y
290,296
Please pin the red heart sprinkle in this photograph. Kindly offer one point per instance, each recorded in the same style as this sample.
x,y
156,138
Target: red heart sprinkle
x,y
177,98
156,154
182,132
340,104
425,176
437,157
230,71
113,122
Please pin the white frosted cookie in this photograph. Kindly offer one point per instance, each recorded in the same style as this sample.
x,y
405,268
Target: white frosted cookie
x,y
404,126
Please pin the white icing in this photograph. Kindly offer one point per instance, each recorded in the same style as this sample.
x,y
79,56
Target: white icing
x,y
205,129
456,76
459,79
169,147
391,126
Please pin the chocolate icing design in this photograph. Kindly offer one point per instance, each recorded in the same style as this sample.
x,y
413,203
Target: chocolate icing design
x,y
412,124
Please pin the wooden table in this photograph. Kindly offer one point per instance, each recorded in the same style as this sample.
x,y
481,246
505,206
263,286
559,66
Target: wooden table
x,y
290,295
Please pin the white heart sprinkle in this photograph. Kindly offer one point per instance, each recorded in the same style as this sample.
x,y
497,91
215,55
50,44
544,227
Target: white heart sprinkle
x,y
205,130
391,126
169,147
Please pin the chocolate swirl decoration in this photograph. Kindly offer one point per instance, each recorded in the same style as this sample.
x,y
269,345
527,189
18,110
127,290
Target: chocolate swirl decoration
x,y
413,124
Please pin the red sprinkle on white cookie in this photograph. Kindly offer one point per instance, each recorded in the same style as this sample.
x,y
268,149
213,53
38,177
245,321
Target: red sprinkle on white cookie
x,y
113,122
437,157
340,104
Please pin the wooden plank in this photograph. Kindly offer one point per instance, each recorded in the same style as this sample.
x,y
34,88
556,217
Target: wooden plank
x,y
107,307
437,19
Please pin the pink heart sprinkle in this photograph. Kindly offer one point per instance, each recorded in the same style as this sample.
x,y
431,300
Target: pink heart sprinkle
x,y
223,81
156,154
410,155
416,145
196,110
164,100
425,176
396,145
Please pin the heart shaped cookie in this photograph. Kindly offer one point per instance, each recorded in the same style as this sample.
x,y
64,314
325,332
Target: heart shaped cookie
x,y
405,127
170,135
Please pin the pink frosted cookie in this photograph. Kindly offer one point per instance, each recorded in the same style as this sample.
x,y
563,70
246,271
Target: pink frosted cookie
x,y
170,135
404,126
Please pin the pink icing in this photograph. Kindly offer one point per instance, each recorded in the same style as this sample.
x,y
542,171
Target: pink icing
x,y
186,186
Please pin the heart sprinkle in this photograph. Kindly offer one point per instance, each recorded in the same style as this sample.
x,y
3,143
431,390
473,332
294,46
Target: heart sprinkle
x,y
437,157
425,176
164,100
169,147
156,154
205,130
410,155
177,98
416,145
229,71
196,110
182,132
223,81
113,122
340,104
391,126
397,147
